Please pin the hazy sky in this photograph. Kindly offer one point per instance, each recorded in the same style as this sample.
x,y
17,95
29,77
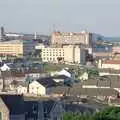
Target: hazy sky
x,y
44,16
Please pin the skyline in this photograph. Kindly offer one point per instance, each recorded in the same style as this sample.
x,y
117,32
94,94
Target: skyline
x,y
44,16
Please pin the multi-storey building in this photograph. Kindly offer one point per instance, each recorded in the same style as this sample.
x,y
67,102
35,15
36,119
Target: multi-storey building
x,y
68,53
71,38
16,48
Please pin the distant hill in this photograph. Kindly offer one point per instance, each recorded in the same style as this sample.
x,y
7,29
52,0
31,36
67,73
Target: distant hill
x,y
112,39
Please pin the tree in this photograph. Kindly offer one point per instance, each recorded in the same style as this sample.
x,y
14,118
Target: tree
x,y
110,113
92,72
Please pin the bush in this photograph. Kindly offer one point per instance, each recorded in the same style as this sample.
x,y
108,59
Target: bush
x,y
110,113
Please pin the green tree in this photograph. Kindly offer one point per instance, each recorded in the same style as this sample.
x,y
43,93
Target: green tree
x,y
93,73
110,113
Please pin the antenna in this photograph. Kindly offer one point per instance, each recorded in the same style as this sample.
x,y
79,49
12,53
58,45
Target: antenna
x,y
54,27
35,35
2,34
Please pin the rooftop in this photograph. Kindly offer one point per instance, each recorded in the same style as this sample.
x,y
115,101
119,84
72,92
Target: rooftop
x,y
77,90
16,41
47,82
111,62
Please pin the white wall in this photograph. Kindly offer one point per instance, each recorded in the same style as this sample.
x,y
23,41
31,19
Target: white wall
x,y
36,88
111,66
21,90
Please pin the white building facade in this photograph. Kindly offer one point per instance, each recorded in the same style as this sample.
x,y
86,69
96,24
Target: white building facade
x,y
69,53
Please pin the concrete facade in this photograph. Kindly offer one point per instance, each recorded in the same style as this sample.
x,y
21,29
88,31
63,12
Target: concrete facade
x,y
109,64
72,38
16,48
69,53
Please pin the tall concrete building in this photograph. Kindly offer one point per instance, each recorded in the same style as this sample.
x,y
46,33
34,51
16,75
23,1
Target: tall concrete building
x,y
16,47
67,54
72,38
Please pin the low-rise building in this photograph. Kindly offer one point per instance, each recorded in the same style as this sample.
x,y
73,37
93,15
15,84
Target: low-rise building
x,y
109,64
42,86
22,89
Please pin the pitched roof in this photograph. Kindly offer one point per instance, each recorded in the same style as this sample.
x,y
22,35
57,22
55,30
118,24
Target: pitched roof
x,y
15,103
107,81
90,82
47,82
93,91
60,77
64,72
78,90
5,67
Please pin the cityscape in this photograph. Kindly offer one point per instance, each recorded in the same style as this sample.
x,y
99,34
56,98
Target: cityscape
x,y
60,75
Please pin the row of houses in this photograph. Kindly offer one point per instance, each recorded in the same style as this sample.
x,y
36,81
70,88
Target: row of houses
x,y
41,86
92,87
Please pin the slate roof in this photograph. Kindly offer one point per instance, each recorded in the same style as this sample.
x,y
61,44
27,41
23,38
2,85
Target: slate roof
x,y
47,82
105,81
77,90
15,103
90,82
93,91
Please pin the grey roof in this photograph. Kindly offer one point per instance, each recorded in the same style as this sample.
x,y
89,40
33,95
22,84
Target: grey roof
x,y
93,91
77,90
90,82
59,90
115,83
47,82
105,81
15,103
17,83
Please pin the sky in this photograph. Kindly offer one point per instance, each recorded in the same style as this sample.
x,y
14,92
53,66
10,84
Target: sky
x,y
45,16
